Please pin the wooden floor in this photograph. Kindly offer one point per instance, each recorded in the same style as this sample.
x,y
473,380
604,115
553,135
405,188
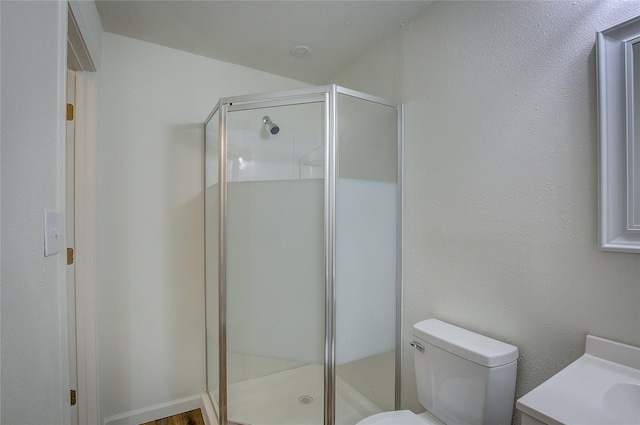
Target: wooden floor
x,y
194,417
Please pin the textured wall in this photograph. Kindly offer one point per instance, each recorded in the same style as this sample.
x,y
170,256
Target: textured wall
x,y
501,178
34,370
150,193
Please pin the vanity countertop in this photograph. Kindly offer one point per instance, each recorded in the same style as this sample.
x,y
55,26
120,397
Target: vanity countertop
x,y
601,387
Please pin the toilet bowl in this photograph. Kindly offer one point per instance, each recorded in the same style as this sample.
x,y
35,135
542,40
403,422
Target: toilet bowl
x,y
463,378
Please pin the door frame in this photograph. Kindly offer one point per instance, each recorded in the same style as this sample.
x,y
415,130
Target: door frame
x,y
82,59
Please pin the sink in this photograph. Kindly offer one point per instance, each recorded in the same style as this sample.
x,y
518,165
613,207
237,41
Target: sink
x,y
624,400
601,387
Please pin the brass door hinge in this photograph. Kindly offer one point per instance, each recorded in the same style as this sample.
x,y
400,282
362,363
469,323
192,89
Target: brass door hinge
x,y
73,398
69,256
69,112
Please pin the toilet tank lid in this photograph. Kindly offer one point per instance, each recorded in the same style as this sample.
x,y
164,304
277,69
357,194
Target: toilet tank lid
x,y
466,344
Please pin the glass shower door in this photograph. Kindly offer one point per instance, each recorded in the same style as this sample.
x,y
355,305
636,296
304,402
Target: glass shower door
x,y
275,265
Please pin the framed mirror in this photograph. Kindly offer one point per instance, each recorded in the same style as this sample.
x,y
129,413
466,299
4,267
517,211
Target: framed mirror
x,y
618,74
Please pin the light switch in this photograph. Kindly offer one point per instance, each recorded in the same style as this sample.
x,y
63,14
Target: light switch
x,y
52,234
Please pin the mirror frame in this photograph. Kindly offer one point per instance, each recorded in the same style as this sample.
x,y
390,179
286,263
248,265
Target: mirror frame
x,y
616,128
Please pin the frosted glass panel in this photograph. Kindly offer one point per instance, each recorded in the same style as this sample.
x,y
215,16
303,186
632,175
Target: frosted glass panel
x,y
275,269
366,251
366,272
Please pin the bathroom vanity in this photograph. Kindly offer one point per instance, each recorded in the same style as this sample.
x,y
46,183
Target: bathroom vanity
x,y
601,387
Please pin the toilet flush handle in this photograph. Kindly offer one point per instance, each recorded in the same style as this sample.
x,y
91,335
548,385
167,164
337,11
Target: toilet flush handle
x,y
417,346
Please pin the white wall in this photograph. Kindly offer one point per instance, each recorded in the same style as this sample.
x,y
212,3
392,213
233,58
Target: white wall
x,y
501,178
34,374
150,186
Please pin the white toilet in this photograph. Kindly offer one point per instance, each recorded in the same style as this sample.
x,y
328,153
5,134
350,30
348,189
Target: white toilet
x,y
463,378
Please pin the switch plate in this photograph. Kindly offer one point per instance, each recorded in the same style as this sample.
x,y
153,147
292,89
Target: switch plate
x,y
52,235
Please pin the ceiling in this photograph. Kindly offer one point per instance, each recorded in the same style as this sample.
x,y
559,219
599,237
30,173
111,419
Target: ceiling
x,y
261,34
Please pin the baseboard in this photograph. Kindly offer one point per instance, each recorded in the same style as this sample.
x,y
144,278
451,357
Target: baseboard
x,y
159,411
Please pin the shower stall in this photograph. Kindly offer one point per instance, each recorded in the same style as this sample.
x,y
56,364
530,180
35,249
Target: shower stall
x,y
303,257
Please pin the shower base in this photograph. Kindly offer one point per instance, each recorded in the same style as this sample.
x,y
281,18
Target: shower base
x,y
294,397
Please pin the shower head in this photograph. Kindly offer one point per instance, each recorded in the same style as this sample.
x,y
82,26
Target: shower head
x,y
273,128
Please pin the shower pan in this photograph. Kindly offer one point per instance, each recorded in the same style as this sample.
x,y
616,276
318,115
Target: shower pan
x,y
303,257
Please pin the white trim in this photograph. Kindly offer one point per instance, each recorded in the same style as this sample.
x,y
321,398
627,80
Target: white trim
x,y
85,213
612,70
158,411
78,55
61,178
87,27
70,243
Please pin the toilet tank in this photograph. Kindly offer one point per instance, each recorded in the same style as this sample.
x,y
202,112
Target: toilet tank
x,y
463,377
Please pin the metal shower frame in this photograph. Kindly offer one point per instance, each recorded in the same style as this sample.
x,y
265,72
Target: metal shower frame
x,y
328,95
